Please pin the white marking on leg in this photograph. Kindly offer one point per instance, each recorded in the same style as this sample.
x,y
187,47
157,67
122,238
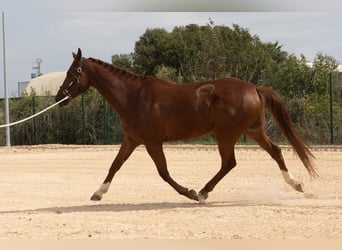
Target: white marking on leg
x,y
288,177
103,189
292,182
201,198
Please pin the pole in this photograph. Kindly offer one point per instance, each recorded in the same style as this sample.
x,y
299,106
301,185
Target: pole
x,y
331,110
8,133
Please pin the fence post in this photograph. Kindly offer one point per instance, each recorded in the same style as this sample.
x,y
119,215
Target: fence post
x,y
83,120
105,126
34,120
331,110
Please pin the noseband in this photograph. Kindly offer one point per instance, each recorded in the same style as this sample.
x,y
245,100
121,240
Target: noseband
x,y
66,89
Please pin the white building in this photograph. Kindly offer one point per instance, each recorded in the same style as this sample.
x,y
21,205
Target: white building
x,y
47,84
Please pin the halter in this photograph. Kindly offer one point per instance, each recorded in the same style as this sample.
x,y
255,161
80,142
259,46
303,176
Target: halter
x,y
65,89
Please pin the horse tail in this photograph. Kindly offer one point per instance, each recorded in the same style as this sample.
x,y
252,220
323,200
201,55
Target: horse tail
x,y
275,105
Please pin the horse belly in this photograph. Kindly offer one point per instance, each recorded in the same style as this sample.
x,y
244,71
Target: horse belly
x,y
186,126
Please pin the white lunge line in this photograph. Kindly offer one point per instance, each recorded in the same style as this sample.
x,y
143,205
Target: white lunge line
x,y
34,115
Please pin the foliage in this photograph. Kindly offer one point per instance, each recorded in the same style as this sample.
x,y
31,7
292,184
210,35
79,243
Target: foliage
x,y
196,53
123,61
95,123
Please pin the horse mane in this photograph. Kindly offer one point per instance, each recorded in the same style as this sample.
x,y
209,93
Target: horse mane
x,y
117,71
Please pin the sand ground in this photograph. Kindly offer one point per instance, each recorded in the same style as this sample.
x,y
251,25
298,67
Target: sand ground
x,y
45,193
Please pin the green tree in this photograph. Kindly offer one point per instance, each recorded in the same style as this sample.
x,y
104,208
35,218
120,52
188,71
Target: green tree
x,y
149,51
123,61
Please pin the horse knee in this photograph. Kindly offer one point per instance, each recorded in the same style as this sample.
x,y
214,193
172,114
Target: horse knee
x,y
277,151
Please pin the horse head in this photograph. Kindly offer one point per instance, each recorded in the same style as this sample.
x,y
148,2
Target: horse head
x,y
75,82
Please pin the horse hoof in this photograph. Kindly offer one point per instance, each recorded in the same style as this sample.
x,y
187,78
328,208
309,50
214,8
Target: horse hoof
x,y
299,187
193,195
96,197
202,197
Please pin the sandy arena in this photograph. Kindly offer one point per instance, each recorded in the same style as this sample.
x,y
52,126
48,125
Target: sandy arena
x,y
45,193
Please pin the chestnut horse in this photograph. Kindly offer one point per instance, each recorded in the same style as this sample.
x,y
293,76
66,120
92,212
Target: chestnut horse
x,y
153,111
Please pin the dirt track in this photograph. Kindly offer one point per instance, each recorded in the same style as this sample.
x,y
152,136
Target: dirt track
x,y
45,193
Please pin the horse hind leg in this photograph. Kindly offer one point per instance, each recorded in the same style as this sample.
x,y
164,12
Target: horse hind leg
x,y
259,135
228,162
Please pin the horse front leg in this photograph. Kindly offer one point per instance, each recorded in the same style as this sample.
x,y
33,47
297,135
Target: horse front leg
x,y
127,147
158,157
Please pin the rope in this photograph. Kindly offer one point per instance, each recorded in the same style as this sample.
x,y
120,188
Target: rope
x,y
34,115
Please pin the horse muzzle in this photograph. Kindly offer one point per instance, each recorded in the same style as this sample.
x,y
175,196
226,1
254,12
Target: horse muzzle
x,y
61,97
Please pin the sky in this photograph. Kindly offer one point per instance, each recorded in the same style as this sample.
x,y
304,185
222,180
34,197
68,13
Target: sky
x,y
51,30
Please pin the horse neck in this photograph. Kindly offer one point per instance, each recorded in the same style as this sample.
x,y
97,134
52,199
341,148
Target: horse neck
x,y
114,88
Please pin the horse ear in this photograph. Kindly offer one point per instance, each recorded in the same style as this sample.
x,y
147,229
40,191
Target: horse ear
x,y
78,55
